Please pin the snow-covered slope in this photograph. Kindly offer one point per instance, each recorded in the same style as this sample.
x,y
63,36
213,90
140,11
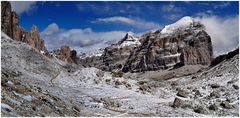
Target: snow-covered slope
x,y
18,55
182,24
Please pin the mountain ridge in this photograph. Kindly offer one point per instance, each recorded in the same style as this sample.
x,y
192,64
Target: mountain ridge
x,y
184,42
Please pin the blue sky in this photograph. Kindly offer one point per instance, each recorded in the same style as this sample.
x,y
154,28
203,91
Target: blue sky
x,y
98,18
71,15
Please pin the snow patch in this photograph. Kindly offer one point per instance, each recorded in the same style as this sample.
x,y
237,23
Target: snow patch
x,y
10,82
130,40
173,55
26,97
6,106
42,52
94,53
183,23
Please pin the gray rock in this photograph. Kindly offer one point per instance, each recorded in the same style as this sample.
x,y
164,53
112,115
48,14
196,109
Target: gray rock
x,y
226,105
178,103
235,86
117,82
200,109
215,85
213,107
182,93
215,94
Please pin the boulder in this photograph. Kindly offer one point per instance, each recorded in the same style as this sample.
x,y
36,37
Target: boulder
x,y
178,102
213,107
200,109
226,105
215,94
215,85
182,93
235,86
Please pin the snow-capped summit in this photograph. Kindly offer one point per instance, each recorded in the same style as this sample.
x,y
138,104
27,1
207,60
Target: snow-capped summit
x,y
129,40
183,23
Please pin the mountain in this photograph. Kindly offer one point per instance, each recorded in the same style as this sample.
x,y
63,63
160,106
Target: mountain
x,y
10,26
115,56
184,42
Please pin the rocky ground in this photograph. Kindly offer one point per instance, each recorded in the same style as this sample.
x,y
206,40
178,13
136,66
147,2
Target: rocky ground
x,y
34,85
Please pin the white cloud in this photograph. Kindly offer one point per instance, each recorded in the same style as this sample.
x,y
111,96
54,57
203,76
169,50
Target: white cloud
x,y
116,19
171,8
138,23
224,32
221,5
81,40
173,16
172,12
23,6
205,13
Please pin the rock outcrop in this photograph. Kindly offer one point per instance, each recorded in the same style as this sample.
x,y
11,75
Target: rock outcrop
x,y
6,18
10,26
66,54
115,56
33,38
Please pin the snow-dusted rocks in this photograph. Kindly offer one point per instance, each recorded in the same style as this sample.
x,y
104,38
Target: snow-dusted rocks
x,y
115,56
89,54
129,40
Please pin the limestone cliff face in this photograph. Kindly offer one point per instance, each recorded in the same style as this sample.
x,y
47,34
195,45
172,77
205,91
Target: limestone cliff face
x,y
6,18
33,38
10,26
115,56
184,42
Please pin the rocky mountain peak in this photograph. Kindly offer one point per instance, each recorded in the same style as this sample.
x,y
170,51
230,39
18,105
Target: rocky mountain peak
x,y
34,29
10,26
130,36
129,40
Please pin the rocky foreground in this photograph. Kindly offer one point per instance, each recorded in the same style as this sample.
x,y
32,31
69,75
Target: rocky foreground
x,y
35,85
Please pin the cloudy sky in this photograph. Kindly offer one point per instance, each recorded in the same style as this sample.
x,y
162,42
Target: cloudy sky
x,y
91,25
